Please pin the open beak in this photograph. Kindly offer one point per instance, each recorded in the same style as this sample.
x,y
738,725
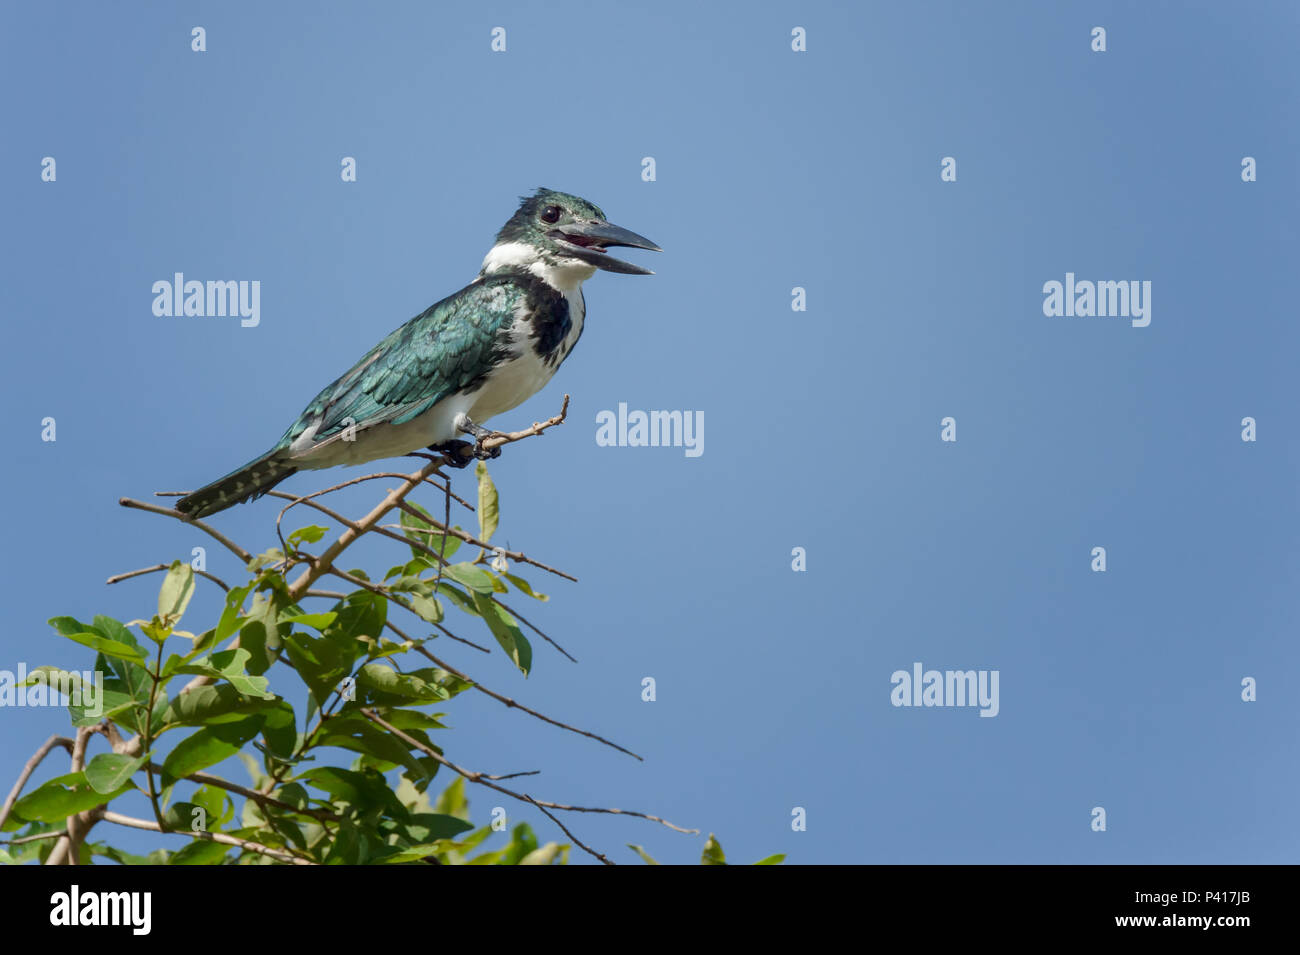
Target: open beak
x,y
587,240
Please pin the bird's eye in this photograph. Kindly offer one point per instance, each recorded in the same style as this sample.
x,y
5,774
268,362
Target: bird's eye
x,y
551,214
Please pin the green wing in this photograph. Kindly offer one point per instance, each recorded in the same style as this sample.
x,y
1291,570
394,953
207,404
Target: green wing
x,y
439,352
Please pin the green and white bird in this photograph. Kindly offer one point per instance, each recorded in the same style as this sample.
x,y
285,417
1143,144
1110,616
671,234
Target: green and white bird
x,y
472,356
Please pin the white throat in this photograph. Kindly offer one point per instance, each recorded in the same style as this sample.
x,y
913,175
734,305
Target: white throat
x,y
565,276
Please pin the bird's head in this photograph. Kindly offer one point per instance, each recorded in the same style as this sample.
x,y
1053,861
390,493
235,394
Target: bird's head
x,y
556,232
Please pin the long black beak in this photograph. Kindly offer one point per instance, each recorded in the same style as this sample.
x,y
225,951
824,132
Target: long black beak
x,y
587,240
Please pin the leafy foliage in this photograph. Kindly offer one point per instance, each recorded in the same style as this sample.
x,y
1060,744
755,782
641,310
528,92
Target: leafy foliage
x,y
293,694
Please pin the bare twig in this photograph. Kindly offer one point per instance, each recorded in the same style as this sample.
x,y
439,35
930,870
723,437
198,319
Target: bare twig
x,y
225,541
118,578
582,845
531,626
514,704
484,780
502,438
468,538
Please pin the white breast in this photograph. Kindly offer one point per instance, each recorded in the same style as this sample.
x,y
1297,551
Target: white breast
x,y
527,373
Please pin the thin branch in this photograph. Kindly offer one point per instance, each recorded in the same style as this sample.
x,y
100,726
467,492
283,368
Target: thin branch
x,y
225,541
221,837
484,780
325,561
500,438
530,772
53,834
59,854
513,704
28,769
531,626
468,538
118,578
582,845
263,798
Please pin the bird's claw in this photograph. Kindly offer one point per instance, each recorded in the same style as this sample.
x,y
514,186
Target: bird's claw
x,y
458,454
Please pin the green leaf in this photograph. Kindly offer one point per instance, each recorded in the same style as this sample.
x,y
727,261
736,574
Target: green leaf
x,y
470,576
507,632
308,535
360,790
524,587
452,801
227,665
317,621
415,853
362,737
279,729
545,855
429,609
488,503
200,852
712,854
109,772
207,704
458,597
261,633
79,633
61,797
384,681
265,559
157,857
231,617
360,614
186,816
645,856
174,596
216,803
210,745
772,860
319,662
114,630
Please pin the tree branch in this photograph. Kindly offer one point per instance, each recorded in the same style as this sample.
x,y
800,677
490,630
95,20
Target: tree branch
x,y
118,578
582,845
225,541
28,769
221,837
484,780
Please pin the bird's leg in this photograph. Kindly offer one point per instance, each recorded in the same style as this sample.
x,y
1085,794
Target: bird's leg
x,y
465,426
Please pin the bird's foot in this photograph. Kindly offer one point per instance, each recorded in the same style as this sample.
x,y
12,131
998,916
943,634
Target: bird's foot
x,y
457,453
481,434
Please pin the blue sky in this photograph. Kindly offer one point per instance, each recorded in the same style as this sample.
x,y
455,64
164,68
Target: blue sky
x,y
775,169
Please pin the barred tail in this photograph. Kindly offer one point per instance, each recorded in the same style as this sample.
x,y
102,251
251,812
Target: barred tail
x,y
252,480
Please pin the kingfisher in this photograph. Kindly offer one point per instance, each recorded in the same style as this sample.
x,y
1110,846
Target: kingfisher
x,y
462,361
